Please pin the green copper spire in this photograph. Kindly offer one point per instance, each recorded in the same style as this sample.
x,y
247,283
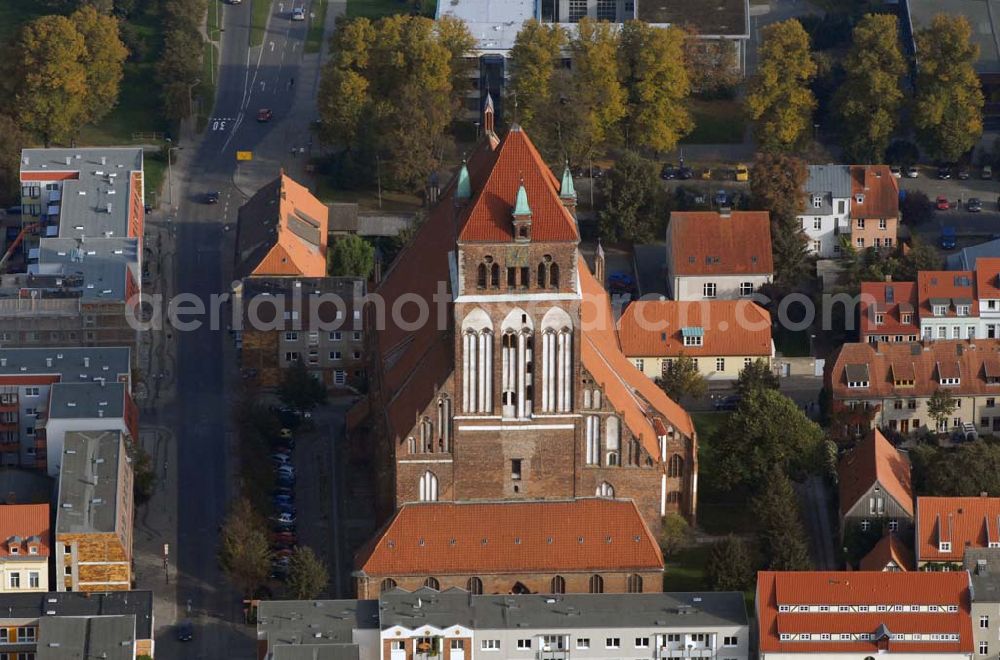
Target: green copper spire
x,y
521,203
566,189
464,188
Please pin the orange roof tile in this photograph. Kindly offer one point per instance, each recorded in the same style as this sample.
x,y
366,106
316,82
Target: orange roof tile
x,y
875,460
706,243
24,521
489,216
892,300
964,522
888,549
864,588
948,287
731,327
880,189
589,534
988,277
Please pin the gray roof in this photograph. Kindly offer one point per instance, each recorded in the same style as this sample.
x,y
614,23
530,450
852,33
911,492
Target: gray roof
x,y
314,621
86,637
100,265
830,178
87,400
328,295
75,364
983,16
966,258
314,652
34,606
20,486
88,482
496,612
343,216
983,565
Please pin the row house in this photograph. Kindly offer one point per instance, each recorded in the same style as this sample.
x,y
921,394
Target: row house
x,y
25,543
723,255
947,527
454,624
826,216
825,614
888,312
889,385
46,392
983,566
874,207
947,305
721,336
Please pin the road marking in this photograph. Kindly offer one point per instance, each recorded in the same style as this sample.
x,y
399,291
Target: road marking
x,y
262,85
272,46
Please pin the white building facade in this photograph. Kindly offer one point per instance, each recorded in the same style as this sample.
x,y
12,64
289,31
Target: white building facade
x,y
827,213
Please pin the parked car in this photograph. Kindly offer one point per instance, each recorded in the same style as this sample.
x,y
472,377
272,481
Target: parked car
x,y
668,172
284,537
283,499
286,510
282,552
185,631
298,13
284,480
281,459
912,172
896,171
941,203
987,172
731,402
287,518
948,240
212,197
742,173
721,198
963,175
684,172
944,172
285,434
974,205
264,114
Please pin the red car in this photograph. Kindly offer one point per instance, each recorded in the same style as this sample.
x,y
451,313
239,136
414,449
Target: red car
x,y
942,203
264,114
283,537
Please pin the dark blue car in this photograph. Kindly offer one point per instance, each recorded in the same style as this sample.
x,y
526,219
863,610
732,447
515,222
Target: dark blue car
x,y
948,239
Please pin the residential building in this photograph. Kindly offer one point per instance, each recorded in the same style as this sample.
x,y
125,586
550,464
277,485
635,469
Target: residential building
x,y
947,304
947,527
827,614
988,296
888,385
83,218
725,255
282,232
721,336
93,540
515,387
827,214
25,624
875,490
888,312
25,542
455,625
984,570
513,547
323,330
45,392
874,207
890,554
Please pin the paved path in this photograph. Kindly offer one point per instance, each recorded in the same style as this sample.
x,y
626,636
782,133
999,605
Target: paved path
x,y
816,516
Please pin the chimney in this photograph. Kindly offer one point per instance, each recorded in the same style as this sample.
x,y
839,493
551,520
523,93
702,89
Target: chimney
x,y
599,263
69,160
86,361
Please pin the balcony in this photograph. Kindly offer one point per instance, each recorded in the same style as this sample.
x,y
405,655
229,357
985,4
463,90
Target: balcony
x,y
553,654
689,652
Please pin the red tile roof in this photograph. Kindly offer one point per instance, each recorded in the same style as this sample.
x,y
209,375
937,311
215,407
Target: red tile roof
x,y
874,460
988,277
888,549
489,216
892,300
731,327
869,589
592,534
964,522
706,243
24,521
951,287
880,189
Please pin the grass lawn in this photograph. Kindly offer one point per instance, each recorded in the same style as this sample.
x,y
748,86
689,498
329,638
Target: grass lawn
x,y
258,20
214,19
206,90
392,202
154,169
717,121
379,8
314,37
685,570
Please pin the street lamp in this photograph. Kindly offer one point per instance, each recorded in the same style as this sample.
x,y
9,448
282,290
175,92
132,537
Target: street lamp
x,y
170,172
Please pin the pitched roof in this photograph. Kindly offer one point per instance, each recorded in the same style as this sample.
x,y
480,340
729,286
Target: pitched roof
x,y
964,522
863,588
946,287
636,397
988,277
892,300
706,243
282,230
889,549
874,460
489,217
728,327
880,190
24,521
512,537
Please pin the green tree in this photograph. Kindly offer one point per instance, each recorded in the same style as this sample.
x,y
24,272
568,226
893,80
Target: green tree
x,y
940,407
632,201
780,531
50,78
920,256
244,551
454,35
777,185
757,375
682,378
675,534
657,84
915,208
307,574
178,69
343,97
104,60
351,256
12,140
299,389
143,473
869,101
967,470
948,112
779,98
767,430
730,565
533,59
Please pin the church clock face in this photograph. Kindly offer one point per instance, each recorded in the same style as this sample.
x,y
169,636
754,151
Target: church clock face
x,y
518,256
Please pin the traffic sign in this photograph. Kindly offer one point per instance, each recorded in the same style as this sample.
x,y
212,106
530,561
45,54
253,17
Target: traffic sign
x,y
244,155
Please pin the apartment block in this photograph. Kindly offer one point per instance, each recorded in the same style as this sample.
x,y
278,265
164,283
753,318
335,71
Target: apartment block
x,y
25,547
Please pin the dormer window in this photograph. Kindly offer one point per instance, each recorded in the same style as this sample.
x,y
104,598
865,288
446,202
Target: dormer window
x,y
962,310
906,317
944,546
940,310
693,336
951,381
32,549
879,319
817,201
13,549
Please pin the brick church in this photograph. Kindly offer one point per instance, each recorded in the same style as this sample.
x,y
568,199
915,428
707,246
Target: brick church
x,y
519,392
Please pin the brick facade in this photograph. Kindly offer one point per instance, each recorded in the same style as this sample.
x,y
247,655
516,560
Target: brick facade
x,y
575,583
